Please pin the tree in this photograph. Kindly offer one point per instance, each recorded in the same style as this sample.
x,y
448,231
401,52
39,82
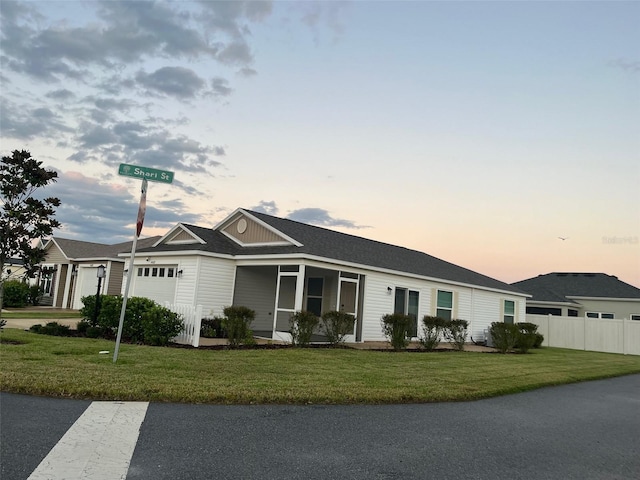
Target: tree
x,y
24,218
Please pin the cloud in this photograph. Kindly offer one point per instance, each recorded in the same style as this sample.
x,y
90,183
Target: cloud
x,y
321,217
220,87
108,212
62,94
310,215
631,66
24,122
176,82
270,208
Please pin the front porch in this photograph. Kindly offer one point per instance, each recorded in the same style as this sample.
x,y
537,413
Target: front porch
x,y
276,292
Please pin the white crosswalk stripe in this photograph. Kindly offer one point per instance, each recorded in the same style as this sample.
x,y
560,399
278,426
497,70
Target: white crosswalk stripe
x,y
98,446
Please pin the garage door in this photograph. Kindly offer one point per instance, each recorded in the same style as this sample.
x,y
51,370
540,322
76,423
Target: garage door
x,y
87,284
157,282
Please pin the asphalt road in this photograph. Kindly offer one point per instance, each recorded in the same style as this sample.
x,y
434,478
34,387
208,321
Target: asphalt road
x,y
583,431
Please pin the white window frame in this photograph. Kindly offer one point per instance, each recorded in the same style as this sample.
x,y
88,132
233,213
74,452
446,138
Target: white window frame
x,y
635,316
510,316
599,315
445,308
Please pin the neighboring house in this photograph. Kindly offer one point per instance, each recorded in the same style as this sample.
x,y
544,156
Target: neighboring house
x,y
14,269
596,295
69,270
277,266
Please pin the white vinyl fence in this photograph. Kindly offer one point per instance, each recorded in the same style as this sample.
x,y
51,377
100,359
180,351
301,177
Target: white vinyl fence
x,y
595,334
192,317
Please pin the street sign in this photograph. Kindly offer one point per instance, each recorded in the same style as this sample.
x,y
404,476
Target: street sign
x,y
151,174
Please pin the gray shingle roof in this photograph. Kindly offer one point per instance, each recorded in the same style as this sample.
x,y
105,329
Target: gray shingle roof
x,y
77,249
334,245
557,286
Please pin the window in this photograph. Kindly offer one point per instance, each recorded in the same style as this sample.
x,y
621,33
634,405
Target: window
x,y
509,311
635,316
544,311
46,281
314,295
139,272
154,272
601,315
161,272
406,303
169,272
572,312
444,305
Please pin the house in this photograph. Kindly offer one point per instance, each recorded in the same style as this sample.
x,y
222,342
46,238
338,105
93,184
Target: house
x,y
13,269
277,266
69,270
569,294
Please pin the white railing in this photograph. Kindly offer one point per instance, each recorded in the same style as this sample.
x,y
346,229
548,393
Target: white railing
x,y
192,317
595,334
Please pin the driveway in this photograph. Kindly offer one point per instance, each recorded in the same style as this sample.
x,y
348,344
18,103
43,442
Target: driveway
x,y
582,431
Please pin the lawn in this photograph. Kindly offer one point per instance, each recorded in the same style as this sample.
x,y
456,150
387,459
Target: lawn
x,y
73,367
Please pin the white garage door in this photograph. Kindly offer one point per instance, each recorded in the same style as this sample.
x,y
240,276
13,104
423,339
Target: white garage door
x,y
157,282
87,284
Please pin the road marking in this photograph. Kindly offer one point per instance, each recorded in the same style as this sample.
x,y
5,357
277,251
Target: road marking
x,y
99,446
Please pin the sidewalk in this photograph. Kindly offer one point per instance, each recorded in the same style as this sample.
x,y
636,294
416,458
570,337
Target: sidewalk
x,y
26,323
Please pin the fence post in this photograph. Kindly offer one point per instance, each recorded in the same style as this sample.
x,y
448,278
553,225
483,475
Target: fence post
x,y
549,329
197,321
624,336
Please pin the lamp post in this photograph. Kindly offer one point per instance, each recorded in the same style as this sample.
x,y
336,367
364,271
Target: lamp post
x,y
102,272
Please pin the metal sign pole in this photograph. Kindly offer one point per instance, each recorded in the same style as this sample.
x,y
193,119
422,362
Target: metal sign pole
x,y
130,275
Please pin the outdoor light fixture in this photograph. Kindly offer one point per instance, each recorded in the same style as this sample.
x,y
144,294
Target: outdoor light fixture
x,y
389,290
102,271
179,273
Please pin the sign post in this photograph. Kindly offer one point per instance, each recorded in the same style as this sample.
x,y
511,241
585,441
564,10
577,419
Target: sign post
x,y
146,174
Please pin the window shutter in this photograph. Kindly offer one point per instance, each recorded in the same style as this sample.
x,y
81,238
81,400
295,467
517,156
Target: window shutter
x,y
434,301
454,309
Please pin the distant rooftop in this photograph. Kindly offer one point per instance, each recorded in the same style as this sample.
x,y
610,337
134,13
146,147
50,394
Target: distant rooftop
x,y
561,286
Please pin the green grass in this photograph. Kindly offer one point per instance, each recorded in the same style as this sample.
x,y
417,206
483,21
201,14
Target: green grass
x,y
72,367
44,315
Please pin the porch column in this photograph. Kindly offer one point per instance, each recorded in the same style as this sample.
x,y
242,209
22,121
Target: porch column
x,y
299,288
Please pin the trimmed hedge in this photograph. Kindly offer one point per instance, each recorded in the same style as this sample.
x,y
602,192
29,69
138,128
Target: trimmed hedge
x,y
337,325
396,328
301,326
144,320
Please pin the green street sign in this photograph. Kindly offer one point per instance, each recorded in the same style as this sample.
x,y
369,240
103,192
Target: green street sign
x,y
151,174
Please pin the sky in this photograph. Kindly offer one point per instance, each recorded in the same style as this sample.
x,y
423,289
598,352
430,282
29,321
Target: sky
x,y
500,136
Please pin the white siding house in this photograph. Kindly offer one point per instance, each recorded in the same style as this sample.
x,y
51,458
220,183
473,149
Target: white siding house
x,y
277,266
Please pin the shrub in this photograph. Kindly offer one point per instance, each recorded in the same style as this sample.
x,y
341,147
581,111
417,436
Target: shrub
x,y
108,313
236,322
539,340
134,328
395,327
51,328
35,295
455,332
211,327
526,336
159,325
301,326
16,294
432,331
337,325
94,332
82,327
504,336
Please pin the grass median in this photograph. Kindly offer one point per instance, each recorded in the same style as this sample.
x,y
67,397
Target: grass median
x,y
73,367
